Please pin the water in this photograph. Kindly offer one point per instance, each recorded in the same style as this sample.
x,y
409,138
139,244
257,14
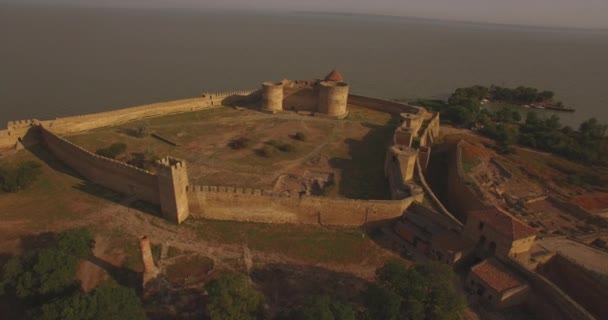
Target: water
x,y
58,61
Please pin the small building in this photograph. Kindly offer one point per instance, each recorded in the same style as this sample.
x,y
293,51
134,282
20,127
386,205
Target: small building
x,y
492,283
498,233
451,247
424,229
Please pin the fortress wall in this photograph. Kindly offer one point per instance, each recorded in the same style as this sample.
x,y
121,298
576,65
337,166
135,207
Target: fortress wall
x,y
429,192
431,132
384,105
300,98
244,204
7,140
332,211
578,283
461,198
238,204
109,173
547,300
74,124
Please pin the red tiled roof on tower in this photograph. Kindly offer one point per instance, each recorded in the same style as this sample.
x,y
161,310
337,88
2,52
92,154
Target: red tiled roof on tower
x,y
496,276
334,76
504,223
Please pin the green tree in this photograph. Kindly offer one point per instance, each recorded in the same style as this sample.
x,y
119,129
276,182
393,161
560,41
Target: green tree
x,y
382,303
553,123
593,129
48,270
532,119
427,291
323,308
19,178
459,115
103,303
231,297
113,150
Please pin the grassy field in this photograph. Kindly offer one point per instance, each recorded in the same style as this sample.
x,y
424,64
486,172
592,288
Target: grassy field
x,y
352,149
308,243
57,194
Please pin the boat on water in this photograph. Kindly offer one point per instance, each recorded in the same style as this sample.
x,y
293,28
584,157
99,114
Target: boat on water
x,y
556,108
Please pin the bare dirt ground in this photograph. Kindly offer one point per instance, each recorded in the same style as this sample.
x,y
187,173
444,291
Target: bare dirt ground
x,y
531,176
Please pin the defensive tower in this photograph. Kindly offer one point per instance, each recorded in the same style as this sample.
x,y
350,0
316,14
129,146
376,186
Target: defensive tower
x,y
333,96
272,96
172,186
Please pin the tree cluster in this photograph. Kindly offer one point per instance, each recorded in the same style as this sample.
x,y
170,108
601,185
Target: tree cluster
x,y
113,151
44,280
520,95
231,297
586,145
426,291
13,179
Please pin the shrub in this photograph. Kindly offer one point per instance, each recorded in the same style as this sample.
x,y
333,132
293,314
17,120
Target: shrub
x,y
274,143
300,136
286,147
267,151
113,150
321,308
141,130
281,146
19,178
239,143
232,297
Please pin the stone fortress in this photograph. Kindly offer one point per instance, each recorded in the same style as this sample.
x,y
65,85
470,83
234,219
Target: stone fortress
x,y
327,97
487,233
169,187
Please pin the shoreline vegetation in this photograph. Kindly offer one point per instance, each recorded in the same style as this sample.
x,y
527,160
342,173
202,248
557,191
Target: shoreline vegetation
x,y
466,108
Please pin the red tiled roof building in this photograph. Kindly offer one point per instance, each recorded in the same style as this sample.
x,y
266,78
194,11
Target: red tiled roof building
x,y
499,233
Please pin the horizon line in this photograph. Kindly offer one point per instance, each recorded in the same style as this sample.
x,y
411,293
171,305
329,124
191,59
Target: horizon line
x,y
98,5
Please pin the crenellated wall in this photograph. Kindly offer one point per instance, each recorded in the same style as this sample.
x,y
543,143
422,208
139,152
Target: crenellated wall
x,y
17,130
109,173
170,188
384,105
226,203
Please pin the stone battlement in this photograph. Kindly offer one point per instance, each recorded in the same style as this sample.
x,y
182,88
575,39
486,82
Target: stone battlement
x,y
237,190
217,95
12,125
86,153
171,162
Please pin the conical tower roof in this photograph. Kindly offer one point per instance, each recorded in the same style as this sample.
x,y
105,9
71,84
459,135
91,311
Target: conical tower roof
x,y
334,76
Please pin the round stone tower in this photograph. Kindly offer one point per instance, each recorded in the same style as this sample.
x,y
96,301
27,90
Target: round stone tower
x,y
272,96
333,96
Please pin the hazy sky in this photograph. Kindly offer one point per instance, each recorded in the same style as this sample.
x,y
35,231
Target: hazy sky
x,y
563,13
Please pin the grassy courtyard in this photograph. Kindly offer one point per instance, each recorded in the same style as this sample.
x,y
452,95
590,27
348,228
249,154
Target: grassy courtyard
x,y
352,150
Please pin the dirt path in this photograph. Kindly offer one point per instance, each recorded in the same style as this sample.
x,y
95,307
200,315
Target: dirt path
x,y
88,272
